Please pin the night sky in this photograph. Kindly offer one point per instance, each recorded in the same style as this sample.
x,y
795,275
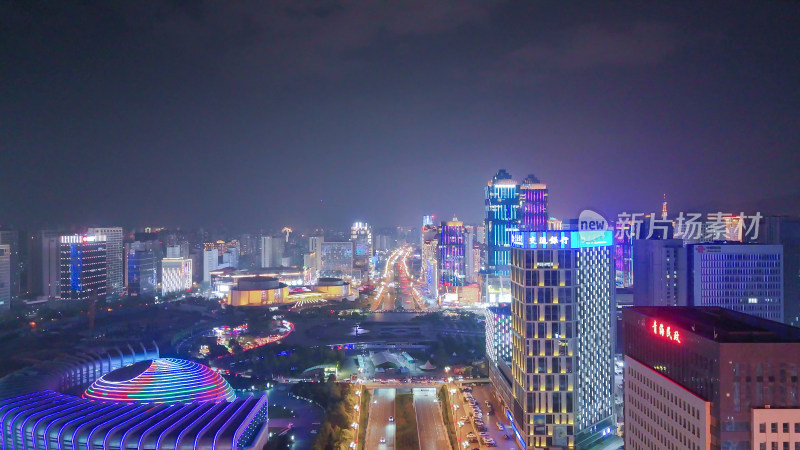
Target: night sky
x,y
262,114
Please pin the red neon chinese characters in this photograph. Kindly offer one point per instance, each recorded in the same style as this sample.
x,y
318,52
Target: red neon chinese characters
x,y
666,331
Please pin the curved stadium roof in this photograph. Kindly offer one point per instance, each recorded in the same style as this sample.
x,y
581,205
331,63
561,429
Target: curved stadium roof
x,y
163,380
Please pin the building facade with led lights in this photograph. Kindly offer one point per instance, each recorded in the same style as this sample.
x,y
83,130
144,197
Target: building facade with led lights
x,y
336,259
741,277
709,378
82,267
562,338
451,260
176,275
114,259
361,236
138,401
533,204
500,218
258,291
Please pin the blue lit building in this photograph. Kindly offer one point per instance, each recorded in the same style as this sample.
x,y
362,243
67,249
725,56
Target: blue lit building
x,y
500,218
82,267
452,267
141,271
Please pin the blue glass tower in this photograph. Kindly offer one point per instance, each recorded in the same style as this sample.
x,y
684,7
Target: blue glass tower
x,y
501,218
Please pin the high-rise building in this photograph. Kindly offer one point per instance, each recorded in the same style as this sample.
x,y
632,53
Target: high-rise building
x,y
427,220
741,277
11,238
82,267
5,278
210,262
501,218
786,232
176,275
469,261
336,259
43,270
114,246
709,378
452,270
562,339
430,265
361,236
271,251
141,270
660,272
533,204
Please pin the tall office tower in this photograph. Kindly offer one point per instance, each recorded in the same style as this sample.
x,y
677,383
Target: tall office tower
x,y
82,267
11,238
271,251
741,277
785,231
623,254
469,261
361,236
709,378
176,275
427,221
383,243
562,338
533,204
43,270
5,278
660,272
141,270
210,263
336,259
116,271
480,234
430,265
501,218
452,271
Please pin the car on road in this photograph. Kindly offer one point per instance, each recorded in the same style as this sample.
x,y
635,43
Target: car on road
x,y
500,426
391,418
383,440
471,434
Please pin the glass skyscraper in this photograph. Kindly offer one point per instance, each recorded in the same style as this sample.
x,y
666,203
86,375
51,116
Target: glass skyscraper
x,y
562,338
500,218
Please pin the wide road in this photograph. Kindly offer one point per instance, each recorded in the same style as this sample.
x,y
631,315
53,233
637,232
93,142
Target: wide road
x,y
379,427
430,425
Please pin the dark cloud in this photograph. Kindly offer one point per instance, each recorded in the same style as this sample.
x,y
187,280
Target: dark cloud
x,y
258,114
593,46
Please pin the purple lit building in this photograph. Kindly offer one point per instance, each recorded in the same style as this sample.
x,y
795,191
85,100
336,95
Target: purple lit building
x,y
533,204
452,267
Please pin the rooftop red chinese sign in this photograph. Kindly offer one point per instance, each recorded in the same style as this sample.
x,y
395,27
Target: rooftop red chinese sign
x,y
666,331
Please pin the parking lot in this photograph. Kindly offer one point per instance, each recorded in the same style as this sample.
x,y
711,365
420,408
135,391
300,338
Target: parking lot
x,y
480,419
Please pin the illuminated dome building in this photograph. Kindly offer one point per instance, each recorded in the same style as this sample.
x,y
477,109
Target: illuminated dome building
x,y
137,401
164,380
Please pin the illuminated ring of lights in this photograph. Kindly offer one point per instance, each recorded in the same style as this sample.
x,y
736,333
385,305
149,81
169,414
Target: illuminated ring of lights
x,y
164,380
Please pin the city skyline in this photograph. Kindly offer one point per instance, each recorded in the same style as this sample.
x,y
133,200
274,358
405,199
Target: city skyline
x,y
275,114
